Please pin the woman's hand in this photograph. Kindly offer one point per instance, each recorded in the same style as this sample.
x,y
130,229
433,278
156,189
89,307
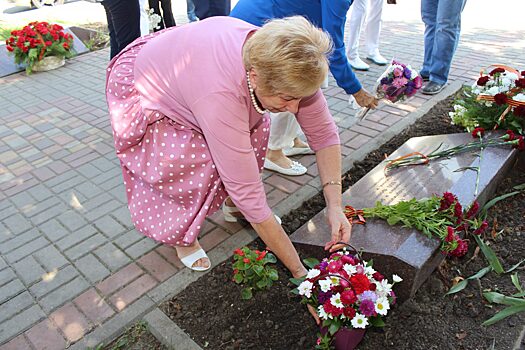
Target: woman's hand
x,y
340,226
364,99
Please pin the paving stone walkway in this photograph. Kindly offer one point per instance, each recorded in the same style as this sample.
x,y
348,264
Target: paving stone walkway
x,y
73,270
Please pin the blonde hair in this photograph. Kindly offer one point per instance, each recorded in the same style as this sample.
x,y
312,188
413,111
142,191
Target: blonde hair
x,y
290,56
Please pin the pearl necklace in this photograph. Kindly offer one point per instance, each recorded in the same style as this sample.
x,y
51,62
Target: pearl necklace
x,y
252,96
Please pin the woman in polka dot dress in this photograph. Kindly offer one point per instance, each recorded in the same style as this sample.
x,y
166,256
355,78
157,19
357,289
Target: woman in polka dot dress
x,y
188,109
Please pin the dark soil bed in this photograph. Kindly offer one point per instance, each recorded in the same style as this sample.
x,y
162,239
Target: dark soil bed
x,y
213,313
137,337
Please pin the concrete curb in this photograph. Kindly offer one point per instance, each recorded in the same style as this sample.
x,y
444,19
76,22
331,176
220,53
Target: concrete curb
x,y
168,333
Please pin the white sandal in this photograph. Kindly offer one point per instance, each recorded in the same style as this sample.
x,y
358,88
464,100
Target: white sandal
x,y
296,169
191,259
229,217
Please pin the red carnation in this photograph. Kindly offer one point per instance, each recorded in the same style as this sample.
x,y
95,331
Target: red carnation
x,y
360,283
348,297
483,80
519,111
473,210
510,135
450,234
478,132
521,143
447,200
461,249
332,310
66,46
497,70
520,83
373,286
335,266
378,277
458,210
347,259
481,228
9,48
349,312
500,98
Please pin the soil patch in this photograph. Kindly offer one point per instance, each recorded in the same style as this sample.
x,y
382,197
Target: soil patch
x,y
212,312
137,337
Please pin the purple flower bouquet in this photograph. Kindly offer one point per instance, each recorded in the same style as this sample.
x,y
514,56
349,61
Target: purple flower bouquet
x,y
398,82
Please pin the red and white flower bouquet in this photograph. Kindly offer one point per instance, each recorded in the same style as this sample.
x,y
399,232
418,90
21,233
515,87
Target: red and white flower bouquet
x,y
347,293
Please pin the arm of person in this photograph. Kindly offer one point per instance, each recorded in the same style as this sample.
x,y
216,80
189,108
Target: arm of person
x,y
329,165
334,19
322,134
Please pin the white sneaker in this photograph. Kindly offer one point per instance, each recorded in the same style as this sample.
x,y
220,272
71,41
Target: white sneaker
x,y
358,64
377,59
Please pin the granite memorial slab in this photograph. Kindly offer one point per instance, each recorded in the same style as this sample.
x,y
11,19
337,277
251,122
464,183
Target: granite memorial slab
x,y
403,251
7,63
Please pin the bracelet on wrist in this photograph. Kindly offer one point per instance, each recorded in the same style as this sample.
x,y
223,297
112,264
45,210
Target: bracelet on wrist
x,y
338,183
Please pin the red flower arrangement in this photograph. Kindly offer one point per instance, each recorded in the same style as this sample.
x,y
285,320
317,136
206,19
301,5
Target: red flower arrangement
x,y
37,40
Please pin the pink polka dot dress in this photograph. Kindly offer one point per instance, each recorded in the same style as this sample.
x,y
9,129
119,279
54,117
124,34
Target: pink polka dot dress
x,y
186,132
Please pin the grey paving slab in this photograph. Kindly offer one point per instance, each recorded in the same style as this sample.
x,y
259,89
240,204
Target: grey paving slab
x,y
20,322
111,256
92,268
29,270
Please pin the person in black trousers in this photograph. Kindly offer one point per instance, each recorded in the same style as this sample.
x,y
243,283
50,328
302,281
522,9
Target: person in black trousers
x,y
210,8
123,23
167,15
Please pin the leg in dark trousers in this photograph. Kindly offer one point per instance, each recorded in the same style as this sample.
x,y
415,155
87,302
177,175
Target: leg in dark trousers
x,y
210,8
167,14
155,5
123,23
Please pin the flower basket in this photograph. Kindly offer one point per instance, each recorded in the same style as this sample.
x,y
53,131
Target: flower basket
x,y
348,296
49,63
346,338
38,41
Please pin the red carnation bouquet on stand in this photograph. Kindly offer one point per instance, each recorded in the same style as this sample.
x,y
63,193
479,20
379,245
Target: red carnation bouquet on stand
x,y
38,40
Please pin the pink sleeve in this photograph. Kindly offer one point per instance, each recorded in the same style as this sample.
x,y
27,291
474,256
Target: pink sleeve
x,y
225,126
317,122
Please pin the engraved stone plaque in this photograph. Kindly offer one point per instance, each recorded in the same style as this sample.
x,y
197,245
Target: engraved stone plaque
x,y
403,251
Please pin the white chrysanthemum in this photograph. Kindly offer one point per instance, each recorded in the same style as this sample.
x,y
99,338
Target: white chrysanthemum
x,y
519,97
349,269
305,288
322,314
396,278
493,91
335,280
382,306
335,300
359,321
325,285
313,273
383,288
369,270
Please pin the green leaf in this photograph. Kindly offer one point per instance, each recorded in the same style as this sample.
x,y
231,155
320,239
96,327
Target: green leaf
x,y
261,284
377,321
490,255
520,187
270,258
515,266
498,298
310,262
519,295
333,328
237,278
509,311
258,269
296,281
462,284
516,282
493,201
458,287
273,275
246,293
392,220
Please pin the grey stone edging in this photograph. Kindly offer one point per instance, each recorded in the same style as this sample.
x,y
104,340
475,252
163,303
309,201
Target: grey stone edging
x,y
160,325
168,333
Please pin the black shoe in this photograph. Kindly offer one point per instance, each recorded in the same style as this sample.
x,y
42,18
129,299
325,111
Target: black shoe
x,y
432,88
425,77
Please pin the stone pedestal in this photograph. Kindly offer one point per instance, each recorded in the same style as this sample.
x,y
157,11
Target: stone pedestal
x,y
395,249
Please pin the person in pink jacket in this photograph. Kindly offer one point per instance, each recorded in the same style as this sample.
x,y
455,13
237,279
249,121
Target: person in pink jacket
x,y
188,108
